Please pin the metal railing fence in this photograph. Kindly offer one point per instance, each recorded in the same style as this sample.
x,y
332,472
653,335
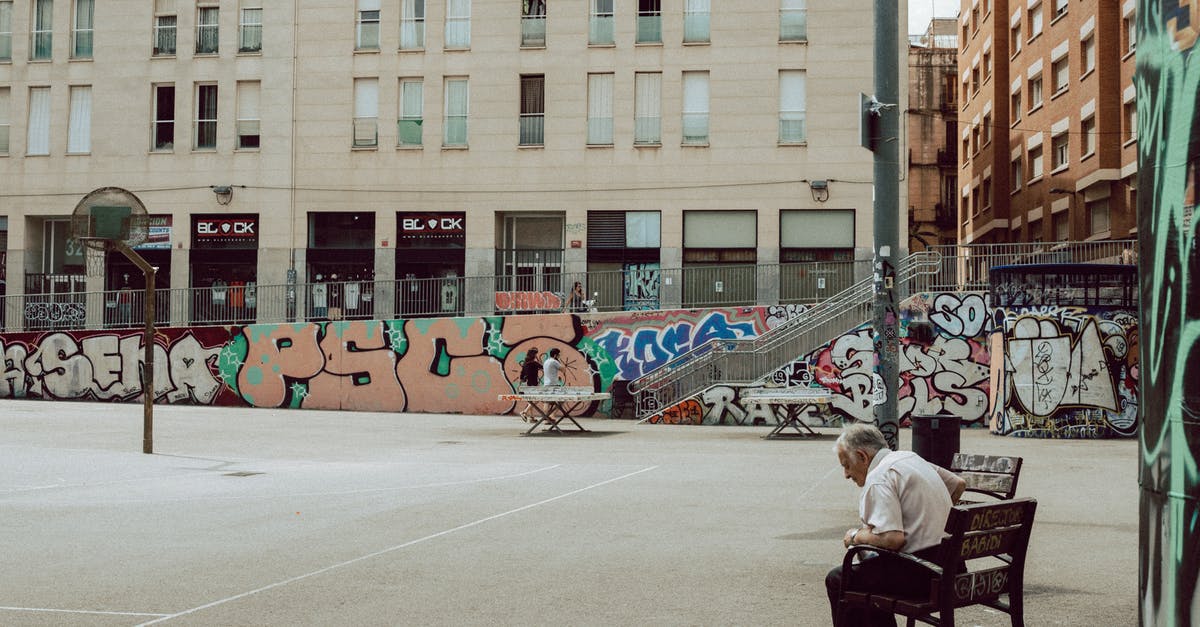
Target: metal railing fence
x,y
61,301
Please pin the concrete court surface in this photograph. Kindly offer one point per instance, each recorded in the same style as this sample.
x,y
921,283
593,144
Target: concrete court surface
x,y
275,517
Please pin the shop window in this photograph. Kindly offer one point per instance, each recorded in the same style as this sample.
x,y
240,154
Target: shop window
x,y
816,252
341,265
430,263
624,270
719,257
224,268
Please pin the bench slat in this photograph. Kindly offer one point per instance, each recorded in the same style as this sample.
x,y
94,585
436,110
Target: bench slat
x,y
981,585
985,463
979,544
987,482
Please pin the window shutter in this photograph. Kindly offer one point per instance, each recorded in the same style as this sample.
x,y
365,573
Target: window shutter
x,y
606,229
79,126
248,116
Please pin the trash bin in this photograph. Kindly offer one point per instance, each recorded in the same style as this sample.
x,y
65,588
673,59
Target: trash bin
x,y
935,438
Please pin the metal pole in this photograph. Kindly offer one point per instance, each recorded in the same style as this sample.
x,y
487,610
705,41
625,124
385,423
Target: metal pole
x,y
147,345
886,220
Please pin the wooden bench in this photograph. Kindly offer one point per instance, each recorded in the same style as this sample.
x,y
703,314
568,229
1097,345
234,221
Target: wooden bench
x,y
992,475
981,559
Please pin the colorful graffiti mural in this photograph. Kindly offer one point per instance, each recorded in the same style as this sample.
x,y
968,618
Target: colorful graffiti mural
x,y
1065,372
106,366
640,342
1167,81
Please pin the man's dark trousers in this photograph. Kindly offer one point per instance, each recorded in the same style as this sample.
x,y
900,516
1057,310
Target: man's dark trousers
x,y
879,574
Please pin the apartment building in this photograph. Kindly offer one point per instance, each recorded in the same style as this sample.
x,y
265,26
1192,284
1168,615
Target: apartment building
x,y
1048,120
292,142
932,123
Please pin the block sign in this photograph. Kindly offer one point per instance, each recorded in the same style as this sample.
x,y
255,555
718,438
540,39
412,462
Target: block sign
x,y
412,227
221,230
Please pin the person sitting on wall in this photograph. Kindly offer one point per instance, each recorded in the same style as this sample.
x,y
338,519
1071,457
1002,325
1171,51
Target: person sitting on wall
x,y
530,372
904,506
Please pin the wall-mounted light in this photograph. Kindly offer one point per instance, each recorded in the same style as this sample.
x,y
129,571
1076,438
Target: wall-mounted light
x,y
819,189
224,194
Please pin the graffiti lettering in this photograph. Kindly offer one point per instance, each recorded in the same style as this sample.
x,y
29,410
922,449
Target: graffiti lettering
x,y
528,301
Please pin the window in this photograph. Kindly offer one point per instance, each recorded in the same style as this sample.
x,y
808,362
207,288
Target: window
x,y
1129,133
975,18
986,129
1035,92
1035,231
985,190
79,124
966,151
600,110
248,117
163,130
649,22
366,35
1129,25
250,27
366,112
37,141
207,30
792,107
975,140
1014,106
533,109
1087,51
6,7
457,101
966,94
5,113
1060,156
695,108
164,28
1087,134
205,129
1060,8
695,21
600,23
793,20
43,30
1035,163
82,29
1061,223
412,25
1098,216
647,123
987,65
458,24
1014,38
412,112
1035,20
1061,74
1015,173
533,23
975,80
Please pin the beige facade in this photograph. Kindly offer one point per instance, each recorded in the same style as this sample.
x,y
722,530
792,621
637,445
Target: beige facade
x,y
324,94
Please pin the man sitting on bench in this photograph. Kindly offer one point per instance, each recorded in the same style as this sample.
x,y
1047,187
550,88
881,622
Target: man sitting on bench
x,y
904,505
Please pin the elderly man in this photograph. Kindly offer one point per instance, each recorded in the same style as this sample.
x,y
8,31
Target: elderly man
x,y
904,506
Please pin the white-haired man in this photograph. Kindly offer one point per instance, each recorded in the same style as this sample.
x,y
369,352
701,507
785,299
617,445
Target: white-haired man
x,y
904,506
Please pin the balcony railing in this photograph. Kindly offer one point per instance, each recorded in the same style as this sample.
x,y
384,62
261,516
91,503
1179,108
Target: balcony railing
x,y
533,31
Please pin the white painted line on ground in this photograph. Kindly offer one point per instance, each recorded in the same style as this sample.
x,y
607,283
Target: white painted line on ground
x,y
393,548
816,483
53,610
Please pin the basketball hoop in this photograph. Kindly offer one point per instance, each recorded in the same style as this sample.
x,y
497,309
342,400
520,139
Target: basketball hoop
x,y
95,253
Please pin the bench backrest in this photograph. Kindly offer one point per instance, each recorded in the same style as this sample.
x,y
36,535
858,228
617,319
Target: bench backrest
x,y
993,475
983,530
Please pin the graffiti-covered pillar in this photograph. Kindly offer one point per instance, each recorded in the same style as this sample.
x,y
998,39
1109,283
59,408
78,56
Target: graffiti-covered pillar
x,y
1167,81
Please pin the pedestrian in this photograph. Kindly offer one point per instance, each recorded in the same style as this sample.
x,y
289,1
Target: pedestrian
x,y
904,506
530,372
552,369
575,299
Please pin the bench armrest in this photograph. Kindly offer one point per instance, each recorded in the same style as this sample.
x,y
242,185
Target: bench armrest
x,y
847,572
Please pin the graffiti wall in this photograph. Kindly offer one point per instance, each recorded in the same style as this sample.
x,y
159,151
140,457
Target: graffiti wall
x,y
944,370
1065,372
1168,79
446,365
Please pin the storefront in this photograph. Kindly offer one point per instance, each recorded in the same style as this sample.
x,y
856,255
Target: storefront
x,y
719,256
341,265
623,249
224,264
430,260
125,283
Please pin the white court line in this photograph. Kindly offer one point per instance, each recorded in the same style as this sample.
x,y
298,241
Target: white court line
x,y
393,548
815,484
47,609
